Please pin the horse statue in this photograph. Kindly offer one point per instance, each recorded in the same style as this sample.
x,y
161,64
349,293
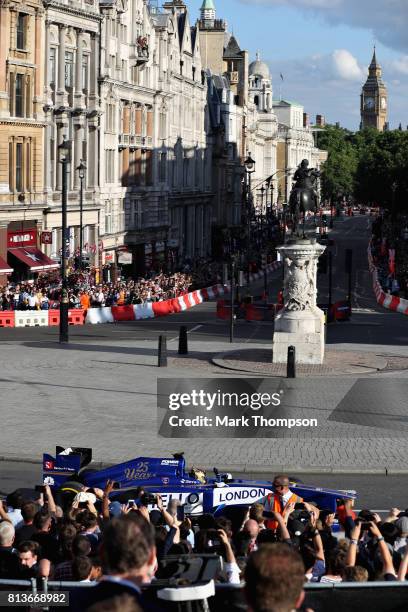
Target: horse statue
x,y
303,196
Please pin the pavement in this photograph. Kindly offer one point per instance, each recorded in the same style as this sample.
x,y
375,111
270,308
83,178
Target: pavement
x,y
100,390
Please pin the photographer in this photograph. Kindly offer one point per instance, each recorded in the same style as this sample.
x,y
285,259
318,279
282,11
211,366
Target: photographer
x,y
217,542
365,540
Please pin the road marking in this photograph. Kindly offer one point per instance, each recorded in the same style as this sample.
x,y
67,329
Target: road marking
x,y
189,332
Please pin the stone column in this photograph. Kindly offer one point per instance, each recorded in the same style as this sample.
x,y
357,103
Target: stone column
x,y
78,139
93,72
5,14
93,156
301,322
61,61
78,70
47,90
39,54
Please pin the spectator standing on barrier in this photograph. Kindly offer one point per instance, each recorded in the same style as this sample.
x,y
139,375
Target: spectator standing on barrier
x,y
129,560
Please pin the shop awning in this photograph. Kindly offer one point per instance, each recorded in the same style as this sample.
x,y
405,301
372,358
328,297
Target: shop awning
x,y
4,267
33,258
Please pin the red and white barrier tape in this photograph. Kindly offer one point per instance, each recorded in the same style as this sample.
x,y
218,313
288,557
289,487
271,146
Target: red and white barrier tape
x,y
391,302
137,312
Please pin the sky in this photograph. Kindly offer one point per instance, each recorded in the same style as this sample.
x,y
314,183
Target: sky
x,y
323,49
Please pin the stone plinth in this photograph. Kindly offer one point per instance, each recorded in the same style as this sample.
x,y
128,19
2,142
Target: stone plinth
x,y
301,322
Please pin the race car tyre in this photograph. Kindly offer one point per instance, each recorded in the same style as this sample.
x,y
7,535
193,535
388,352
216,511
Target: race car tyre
x,y
66,493
82,474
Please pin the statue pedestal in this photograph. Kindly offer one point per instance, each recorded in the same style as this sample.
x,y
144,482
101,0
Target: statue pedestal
x,y
301,322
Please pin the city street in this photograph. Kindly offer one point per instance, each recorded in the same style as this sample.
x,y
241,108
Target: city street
x,y
100,390
375,491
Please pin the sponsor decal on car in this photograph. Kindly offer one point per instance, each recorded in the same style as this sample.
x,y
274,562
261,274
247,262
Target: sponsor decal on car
x,y
233,496
192,501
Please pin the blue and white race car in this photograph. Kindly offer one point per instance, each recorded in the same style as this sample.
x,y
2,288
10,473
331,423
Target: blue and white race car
x,y
70,469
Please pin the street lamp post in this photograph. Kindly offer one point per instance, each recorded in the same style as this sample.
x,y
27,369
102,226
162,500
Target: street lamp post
x,y
249,164
81,173
64,150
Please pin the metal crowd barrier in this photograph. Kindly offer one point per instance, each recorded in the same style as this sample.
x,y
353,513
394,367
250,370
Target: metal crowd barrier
x,y
346,596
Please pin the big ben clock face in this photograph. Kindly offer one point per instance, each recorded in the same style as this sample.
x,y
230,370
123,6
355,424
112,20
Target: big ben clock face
x,y
369,103
383,103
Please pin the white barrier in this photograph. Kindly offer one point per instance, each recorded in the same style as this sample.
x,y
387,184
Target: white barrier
x,y
31,318
144,311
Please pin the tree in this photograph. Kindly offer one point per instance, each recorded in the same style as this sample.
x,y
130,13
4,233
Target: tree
x,y
365,164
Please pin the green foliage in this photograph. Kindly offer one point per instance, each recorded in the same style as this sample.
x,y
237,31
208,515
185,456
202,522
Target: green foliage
x,y
365,165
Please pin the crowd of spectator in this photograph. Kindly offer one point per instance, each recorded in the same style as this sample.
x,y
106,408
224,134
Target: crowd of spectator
x,y
88,537
44,293
389,249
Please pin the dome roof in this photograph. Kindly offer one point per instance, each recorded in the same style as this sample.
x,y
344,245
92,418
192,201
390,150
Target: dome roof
x,y
258,68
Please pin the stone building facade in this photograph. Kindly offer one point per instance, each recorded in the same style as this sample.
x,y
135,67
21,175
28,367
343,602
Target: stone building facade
x,y
22,127
72,110
295,142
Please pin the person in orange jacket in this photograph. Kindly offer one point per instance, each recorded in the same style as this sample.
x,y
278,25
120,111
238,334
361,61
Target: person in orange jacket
x,y
279,500
85,300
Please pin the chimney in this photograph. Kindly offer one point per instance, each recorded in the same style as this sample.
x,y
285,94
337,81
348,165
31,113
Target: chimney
x,y
306,120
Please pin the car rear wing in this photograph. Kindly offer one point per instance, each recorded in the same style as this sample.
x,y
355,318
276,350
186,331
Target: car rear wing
x,y
65,463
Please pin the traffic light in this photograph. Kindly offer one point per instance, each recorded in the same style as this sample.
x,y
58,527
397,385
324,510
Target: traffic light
x,y
322,263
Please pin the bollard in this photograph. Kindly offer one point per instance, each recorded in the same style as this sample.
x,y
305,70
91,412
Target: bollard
x,y
162,357
291,366
183,346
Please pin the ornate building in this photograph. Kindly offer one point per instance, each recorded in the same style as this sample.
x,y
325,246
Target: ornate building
x,y
72,110
22,127
130,192
374,98
295,141
262,128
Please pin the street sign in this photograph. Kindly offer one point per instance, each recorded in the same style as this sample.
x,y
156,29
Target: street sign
x,y
46,237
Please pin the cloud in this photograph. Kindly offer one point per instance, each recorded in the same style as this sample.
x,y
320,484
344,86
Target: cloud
x,y
346,66
387,19
330,84
401,65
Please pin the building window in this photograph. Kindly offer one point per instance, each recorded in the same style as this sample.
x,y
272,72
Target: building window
x,y
21,31
85,73
108,217
19,95
69,69
19,167
109,165
52,64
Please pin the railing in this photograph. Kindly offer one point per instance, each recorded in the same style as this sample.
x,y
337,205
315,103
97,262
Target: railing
x,y
350,596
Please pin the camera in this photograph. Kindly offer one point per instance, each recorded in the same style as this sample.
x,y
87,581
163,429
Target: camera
x,y
40,488
300,513
214,544
148,499
365,525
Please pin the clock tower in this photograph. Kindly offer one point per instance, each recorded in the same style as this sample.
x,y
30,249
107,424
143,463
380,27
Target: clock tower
x,y
374,98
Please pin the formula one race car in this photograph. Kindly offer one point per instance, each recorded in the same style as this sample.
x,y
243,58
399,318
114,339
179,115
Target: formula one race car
x,y
69,471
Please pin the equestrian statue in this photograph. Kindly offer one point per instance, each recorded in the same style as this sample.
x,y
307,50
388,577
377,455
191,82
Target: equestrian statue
x,y
303,196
